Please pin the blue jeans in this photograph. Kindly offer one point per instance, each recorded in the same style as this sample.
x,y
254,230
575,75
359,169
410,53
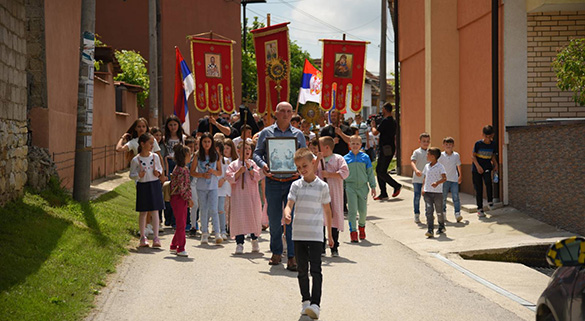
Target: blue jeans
x,y
208,209
221,213
417,194
276,196
454,188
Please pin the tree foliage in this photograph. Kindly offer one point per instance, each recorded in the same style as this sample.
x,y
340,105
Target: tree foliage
x,y
249,69
569,66
134,72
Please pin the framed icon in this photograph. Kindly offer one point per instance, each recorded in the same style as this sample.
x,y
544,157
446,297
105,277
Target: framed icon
x,y
343,65
213,65
271,49
280,154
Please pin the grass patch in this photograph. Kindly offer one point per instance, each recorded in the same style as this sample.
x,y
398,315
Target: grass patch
x,y
56,253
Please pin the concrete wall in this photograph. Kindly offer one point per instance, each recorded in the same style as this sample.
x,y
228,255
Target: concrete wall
x,y
124,25
547,33
13,130
546,173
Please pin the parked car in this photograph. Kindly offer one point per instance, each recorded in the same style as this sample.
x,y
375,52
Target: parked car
x,y
564,297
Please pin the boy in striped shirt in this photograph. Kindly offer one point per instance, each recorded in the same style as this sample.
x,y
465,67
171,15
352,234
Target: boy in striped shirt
x,y
311,197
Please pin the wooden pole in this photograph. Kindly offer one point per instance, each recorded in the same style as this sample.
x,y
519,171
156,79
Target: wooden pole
x,y
269,111
244,145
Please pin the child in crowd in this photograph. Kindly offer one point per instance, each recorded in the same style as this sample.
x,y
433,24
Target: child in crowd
x,y
173,135
314,146
246,131
191,142
145,169
207,171
306,129
180,197
222,190
434,175
334,173
230,153
158,136
295,121
452,162
246,217
310,197
418,160
484,162
361,173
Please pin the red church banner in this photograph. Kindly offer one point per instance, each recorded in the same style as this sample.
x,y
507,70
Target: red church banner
x,y
343,74
212,67
273,65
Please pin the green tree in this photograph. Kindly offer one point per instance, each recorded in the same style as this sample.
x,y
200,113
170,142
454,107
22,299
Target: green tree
x,y
249,69
134,72
569,66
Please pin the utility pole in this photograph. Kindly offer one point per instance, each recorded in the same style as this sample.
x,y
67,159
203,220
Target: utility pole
x,y
84,128
382,76
245,23
152,64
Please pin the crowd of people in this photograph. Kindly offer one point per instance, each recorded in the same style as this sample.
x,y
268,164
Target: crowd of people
x,y
224,173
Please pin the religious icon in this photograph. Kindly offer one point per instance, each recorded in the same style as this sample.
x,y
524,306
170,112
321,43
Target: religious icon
x,y
280,154
212,61
271,48
343,64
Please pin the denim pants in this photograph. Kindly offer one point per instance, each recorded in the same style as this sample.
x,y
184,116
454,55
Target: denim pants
x,y
208,209
434,203
454,188
276,196
417,194
309,259
221,213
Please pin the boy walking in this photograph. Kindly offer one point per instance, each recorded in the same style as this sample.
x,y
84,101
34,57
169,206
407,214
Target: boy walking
x,y
484,162
452,162
418,160
361,173
310,197
433,176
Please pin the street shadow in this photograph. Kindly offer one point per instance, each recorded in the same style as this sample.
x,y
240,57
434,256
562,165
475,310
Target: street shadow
x,y
305,318
28,235
251,257
210,246
443,238
145,250
179,258
280,270
328,260
363,243
372,218
523,223
391,200
463,223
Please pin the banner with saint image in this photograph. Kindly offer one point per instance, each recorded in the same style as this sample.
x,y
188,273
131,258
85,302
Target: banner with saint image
x,y
273,65
344,70
212,67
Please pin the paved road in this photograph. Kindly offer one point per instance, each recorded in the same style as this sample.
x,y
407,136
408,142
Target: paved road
x,y
379,279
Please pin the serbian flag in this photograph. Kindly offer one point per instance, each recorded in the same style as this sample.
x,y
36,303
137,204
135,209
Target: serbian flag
x,y
184,87
310,84
343,75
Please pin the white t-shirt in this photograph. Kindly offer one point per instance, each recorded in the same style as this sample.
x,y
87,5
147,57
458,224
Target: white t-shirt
x,y
419,156
373,139
133,146
433,174
309,199
450,162
149,164
226,188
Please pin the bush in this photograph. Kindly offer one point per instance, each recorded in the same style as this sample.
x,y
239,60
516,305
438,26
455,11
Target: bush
x,y
570,68
134,72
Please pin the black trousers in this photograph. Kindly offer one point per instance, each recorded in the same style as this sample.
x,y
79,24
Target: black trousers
x,y
334,236
486,177
308,255
382,173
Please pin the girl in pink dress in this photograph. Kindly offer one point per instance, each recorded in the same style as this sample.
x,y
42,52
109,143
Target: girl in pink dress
x,y
335,172
246,217
180,196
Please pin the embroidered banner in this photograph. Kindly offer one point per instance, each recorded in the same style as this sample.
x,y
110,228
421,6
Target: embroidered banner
x,y
343,74
272,62
212,67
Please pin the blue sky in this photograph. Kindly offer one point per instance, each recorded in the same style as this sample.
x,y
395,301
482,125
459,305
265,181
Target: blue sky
x,y
311,20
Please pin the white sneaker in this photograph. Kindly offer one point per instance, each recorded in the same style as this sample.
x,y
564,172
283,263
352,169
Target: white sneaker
x,y
224,236
204,238
312,311
458,217
218,239
255,246
417,218
240,249
480,213
304,307
148,230
174,251
183,254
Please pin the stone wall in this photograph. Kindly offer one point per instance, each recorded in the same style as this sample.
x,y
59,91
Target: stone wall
x,y
546,173
13,97
547,33
36,70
